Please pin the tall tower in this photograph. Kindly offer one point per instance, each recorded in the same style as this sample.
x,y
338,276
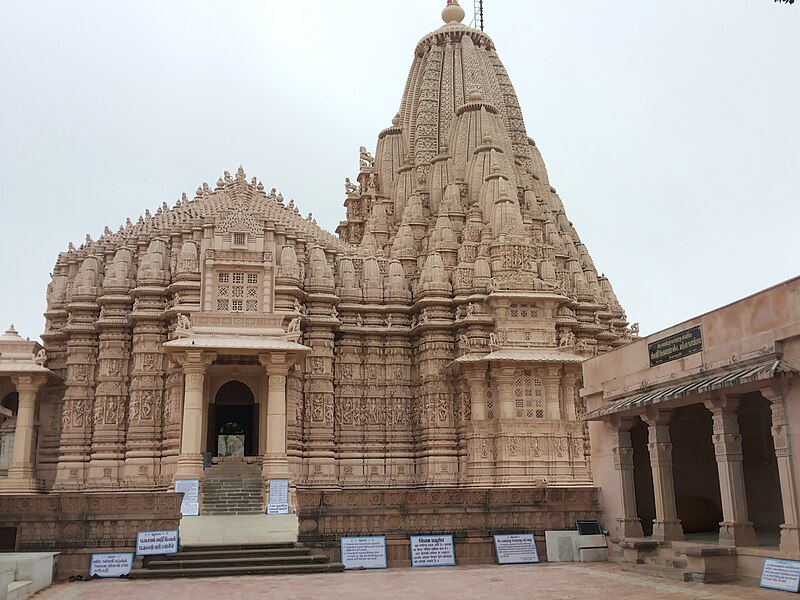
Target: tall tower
x,y
506,299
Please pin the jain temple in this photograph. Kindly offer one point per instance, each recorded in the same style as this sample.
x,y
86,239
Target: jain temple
x,y
420,370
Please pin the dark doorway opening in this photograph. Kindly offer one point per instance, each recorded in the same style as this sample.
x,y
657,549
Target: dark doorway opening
x,y
695,470
233,421
761,478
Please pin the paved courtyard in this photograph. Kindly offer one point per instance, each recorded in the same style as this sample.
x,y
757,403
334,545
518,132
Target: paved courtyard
x,y
460,583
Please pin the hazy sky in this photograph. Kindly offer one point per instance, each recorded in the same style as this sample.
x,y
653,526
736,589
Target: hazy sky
x,y
670,129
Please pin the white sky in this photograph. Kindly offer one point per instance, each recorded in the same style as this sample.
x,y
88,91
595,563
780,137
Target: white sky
x,y
670,129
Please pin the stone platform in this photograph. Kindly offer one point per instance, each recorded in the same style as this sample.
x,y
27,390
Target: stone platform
x,y
471,515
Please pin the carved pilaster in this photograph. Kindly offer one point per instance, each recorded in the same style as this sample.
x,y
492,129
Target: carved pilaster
x,y
666,525
735,529
781,436
628,523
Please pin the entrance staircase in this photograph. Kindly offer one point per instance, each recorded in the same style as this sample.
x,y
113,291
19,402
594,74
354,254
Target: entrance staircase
x,y
239,559
233,488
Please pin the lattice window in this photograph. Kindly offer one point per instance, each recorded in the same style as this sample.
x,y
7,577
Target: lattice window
x,y
239,239
237,291
525,387
489,403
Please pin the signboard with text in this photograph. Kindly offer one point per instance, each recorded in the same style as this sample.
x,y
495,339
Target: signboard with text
x,y
156,542
679,345
367,552
278,503
111,565
190,488
781,575
432,551
515,549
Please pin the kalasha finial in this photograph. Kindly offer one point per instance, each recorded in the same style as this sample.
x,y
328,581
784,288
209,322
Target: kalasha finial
x,y
452,13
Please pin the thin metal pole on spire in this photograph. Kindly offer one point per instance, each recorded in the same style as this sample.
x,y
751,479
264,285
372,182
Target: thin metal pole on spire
x,y
479,12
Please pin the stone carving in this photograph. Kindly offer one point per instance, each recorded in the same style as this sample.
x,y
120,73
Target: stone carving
x,y
367,160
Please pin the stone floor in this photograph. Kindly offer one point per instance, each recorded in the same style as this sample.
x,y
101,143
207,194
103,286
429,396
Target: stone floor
x,y
602,580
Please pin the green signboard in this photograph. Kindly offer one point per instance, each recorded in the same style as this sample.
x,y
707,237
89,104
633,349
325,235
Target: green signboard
x,y
676,346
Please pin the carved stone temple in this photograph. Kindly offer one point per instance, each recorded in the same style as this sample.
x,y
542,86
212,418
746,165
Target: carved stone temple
x,y
434,343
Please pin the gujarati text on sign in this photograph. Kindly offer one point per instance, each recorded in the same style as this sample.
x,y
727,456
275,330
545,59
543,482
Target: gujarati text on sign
x,y
684,343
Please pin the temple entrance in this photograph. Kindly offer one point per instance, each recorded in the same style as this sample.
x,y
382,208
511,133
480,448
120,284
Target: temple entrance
x,y
232,422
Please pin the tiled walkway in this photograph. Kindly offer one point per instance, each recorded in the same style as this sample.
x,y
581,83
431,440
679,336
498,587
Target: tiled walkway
x,y
540,582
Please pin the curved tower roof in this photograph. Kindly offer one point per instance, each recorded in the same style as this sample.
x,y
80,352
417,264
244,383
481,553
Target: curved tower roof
x,y
457,163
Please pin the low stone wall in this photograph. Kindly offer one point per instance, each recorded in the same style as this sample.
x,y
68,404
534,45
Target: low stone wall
x,y
78,524
472,515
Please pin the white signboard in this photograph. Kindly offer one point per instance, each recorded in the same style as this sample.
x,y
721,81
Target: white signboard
x,y
156,542
278,497
515,549
368,552
432,551
111,565
190,488
781,575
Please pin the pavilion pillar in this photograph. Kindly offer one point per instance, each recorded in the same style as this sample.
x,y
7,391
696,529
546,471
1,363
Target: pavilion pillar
x,y
781,436
628,523
190,461
21,477
666,526
275,464
735,529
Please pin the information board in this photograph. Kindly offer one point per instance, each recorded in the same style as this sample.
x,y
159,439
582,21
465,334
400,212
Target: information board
x,y
432,551
111,565
156,542
515,549
781,575
278,497
190,488
367,552
678,345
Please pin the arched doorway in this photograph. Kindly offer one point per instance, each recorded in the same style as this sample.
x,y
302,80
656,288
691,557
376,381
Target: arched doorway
x,y
233,421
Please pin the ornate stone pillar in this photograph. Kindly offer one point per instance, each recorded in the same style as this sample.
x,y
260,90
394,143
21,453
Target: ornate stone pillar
x,y
628,524
20,473
275,464
735,529
666,525
190,462
781,436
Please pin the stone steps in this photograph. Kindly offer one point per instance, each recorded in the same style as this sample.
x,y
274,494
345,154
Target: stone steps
x,y
233,489
239,559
